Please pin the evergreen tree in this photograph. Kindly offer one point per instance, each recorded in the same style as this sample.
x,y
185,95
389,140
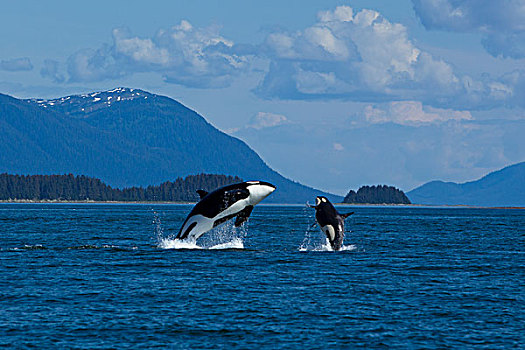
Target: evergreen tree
x,y
380,194
70,187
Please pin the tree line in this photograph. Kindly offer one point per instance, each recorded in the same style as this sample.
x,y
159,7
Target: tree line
x,y
380,194
80,188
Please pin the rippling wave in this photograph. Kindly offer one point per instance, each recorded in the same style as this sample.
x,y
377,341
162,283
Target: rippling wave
x,y
112,276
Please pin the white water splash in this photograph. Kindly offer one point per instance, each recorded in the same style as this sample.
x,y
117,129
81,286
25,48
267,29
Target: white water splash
x,y
314,240
157,227
317,242
236,243
327,248
310,239
28,247
173,243
169,242
225,236
323,245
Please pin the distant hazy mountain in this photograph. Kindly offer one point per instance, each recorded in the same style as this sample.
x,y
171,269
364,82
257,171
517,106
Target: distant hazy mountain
x,y
505,187
127,137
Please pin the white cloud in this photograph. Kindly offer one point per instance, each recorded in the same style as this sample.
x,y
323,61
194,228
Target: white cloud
x,y
341,14
16,64
362,56
266,120
502,23
347,54
140,51
352,55
412,113
327,41
182,54
88,65
51,70
338,147
465,15
447,146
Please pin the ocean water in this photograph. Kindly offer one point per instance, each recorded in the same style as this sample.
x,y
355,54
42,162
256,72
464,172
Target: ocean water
x,y
92,276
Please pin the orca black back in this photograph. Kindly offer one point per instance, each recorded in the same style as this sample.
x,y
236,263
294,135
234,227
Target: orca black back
x,y
326,214
330,221
225,203
216,201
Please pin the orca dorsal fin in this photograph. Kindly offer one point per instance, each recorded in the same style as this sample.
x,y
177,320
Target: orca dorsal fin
x,y
202,193
346,215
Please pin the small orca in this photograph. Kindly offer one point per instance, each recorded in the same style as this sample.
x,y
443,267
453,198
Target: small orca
x,y
331,222
223,204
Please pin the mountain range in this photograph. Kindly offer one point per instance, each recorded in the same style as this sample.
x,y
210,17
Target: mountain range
x,y
505,187
128,137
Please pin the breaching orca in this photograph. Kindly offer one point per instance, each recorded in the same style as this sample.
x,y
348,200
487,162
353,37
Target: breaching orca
x,y
331,222
223,204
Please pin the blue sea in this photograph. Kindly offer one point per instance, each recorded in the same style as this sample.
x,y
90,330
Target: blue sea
x,y
106,276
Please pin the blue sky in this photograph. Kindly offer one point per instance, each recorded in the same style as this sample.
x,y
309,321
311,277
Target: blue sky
x,y
334,94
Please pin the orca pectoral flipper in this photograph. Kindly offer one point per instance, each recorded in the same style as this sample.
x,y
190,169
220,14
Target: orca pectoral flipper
x,y
243,216
223,220
346,215
308,205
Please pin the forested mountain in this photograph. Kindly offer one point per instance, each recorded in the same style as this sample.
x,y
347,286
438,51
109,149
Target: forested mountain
x,y
505,187
79,188
127,137
380,194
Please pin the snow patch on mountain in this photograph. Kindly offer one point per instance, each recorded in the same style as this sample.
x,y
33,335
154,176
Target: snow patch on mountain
x,y
89,102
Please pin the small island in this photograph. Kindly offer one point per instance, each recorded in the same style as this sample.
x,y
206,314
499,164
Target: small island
x,y
380,194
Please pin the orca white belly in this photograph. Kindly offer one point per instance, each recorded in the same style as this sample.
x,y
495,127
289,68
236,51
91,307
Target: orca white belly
x,y
329,231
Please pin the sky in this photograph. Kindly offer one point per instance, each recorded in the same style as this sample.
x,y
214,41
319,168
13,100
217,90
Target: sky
x,y
333,94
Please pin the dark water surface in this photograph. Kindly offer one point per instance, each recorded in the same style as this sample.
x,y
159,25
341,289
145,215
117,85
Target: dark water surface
x,y
94,276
